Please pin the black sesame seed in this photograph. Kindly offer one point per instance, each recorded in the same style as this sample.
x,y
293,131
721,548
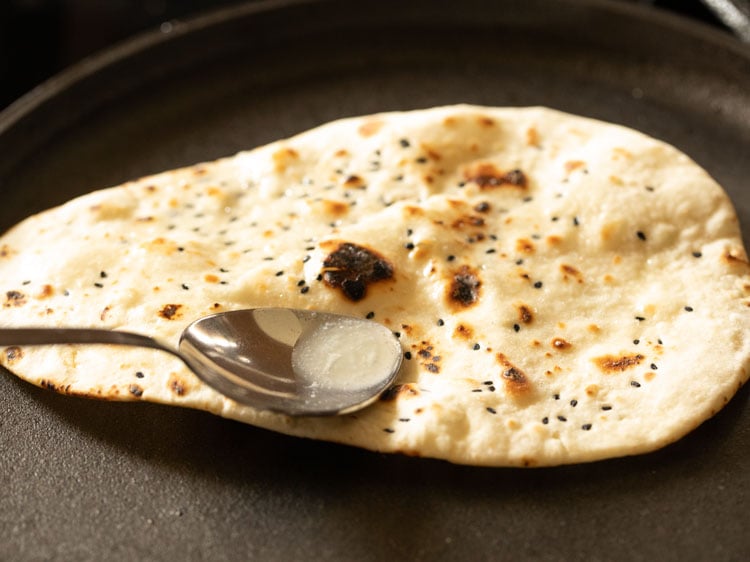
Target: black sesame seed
x,y
407,355
404,143
562,418
556,396
640,235
139,374
279,273
389,430
640,318
370,315
576,222
516,328
606,407
491,410
545,421
519,261
300,283
304,289
538,285
491,388
487,383
451,257
409,246
660,342
185,286
574,403
477,390
223,270
636,342
103,274
586,426
654,367
636,384
99,285
490,251
26,283
306,259
421,160
689,308
397,334
404,419
476,346
697,254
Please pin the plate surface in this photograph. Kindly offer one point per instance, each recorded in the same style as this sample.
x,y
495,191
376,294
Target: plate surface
x,y
82,479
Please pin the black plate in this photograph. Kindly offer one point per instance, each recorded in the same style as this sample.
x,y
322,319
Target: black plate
x,y
81,479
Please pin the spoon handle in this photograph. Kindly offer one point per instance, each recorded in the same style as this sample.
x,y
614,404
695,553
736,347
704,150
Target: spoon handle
x,y
44,336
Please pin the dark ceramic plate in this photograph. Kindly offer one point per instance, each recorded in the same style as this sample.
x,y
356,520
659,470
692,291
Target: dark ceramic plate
x,y
81,479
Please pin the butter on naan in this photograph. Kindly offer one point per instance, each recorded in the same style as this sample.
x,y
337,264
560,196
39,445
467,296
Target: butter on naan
x,y
564,289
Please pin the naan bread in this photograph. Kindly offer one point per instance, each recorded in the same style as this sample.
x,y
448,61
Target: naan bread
x,y
565,290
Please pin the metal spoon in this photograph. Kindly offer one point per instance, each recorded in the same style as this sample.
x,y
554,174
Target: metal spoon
x,y
296,362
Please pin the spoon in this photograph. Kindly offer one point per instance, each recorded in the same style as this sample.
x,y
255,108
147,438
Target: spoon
x,y
296,362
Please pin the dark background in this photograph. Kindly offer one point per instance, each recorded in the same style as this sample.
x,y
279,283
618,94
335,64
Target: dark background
x,y
39,38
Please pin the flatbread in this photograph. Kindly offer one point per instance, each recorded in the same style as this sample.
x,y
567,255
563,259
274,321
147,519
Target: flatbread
x,y
564,289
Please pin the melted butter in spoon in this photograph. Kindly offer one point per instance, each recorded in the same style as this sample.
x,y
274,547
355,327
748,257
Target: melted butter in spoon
x,y
346,354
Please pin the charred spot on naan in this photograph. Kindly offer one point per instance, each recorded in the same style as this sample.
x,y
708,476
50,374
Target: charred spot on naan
x,y
464,287
515,381
525,313
13,354
430,360
170,311
468,221
487,176
6,251
354,182
619,362
177,384
569,272
14,299
352,268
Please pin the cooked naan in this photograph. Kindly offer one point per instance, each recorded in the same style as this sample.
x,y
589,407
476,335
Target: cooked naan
x,y
564,289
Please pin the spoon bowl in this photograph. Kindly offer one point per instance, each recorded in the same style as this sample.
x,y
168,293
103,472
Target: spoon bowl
x,y
296,362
